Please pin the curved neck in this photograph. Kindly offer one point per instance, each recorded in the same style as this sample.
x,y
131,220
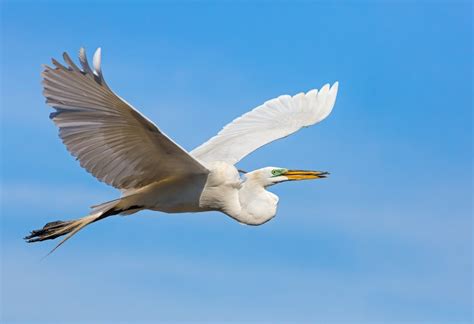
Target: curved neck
x,y
258,205
249,190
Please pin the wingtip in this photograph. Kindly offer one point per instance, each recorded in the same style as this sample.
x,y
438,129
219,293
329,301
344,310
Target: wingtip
x,y
82,51
324,90
66,57
98,52
96,60
45,67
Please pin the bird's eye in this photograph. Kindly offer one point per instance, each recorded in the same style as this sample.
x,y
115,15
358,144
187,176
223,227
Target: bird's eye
x,y
276,172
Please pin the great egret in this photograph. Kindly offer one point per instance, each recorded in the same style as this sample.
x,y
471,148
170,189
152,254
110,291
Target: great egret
x,y
121,147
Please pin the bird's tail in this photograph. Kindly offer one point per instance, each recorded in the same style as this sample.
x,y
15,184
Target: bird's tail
x,y
56,229
125,206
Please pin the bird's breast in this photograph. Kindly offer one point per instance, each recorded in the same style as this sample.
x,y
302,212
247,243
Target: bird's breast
x,y
221,191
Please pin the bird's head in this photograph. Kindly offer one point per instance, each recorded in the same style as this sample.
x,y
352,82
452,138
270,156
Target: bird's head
x,y
272,175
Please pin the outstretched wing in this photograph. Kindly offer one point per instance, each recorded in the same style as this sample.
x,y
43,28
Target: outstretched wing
x,y
111,139
276,118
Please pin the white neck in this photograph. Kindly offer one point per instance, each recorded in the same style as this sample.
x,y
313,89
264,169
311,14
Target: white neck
x,y
247,202
258,205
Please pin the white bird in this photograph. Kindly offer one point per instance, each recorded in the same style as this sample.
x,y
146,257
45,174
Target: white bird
x,y
121,147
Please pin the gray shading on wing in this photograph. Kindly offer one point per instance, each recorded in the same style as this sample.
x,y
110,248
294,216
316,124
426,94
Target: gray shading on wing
x,y
110,138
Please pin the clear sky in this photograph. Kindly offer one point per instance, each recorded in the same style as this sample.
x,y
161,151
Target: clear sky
x,y
387,238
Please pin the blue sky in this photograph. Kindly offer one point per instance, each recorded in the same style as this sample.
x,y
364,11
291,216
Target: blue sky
x,y
387,238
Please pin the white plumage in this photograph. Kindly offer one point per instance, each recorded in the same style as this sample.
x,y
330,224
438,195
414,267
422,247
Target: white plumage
x,y
122,148
275,119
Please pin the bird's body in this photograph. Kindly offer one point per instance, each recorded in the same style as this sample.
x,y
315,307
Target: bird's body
x,y
122,148
216,190
222,189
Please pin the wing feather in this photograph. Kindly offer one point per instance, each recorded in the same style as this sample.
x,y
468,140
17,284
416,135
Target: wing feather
x,y
276,118
109,137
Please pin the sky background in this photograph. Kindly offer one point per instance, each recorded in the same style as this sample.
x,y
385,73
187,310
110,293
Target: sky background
x,y
387,238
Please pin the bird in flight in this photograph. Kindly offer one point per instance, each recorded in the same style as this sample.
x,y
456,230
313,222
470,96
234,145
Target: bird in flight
x,y
121,147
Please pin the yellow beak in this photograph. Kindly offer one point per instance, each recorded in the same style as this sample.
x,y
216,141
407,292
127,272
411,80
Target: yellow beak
x,y
305,175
